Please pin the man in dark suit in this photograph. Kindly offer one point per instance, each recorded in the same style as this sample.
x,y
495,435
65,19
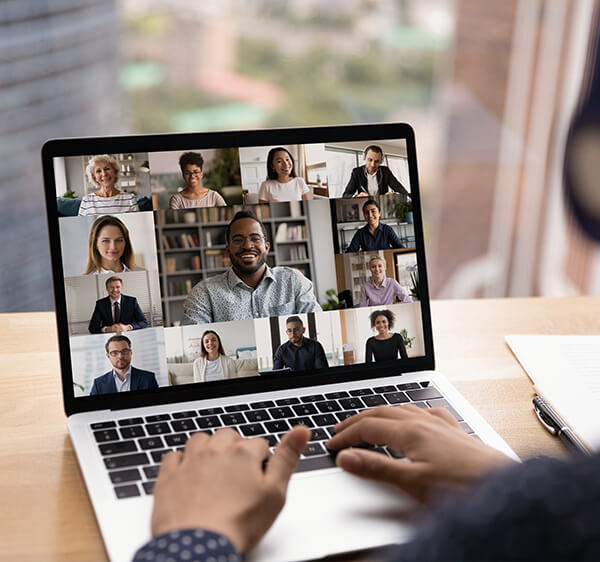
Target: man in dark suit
x,y
372,178
117,312
123,376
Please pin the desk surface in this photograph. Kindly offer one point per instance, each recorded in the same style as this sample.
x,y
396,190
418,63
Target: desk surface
x,y
46,513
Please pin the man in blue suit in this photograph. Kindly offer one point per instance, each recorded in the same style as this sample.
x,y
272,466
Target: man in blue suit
x,y
116,312
123,376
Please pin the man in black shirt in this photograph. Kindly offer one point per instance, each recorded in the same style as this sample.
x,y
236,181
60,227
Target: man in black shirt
x,y
299,353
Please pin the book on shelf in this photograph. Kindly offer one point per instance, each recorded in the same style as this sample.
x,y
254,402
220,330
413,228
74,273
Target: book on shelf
x,y
195,263
290,232
262,211
179,288
216,214
216,259
170,265
298,252
185,241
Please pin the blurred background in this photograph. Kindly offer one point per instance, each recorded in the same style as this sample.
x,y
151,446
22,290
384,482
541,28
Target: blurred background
x,y
489,86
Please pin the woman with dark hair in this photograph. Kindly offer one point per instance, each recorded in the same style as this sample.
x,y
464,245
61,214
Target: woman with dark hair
x,y
194,194
282,184
386,345
213,364
109,247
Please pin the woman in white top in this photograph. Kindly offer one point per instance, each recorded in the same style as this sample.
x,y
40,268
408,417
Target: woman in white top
x,y
194,194
109,247
102,171
213,364
282,184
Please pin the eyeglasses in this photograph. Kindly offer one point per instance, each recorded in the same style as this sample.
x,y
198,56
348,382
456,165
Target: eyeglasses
x,y
239,240
196,173
116,353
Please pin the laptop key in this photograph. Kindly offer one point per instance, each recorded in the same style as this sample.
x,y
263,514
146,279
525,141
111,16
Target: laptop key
x,y
262,405
151,443
328,406
409,386
129,491
149,487
287,401
270,439
258,415
209,421
304,420
304,409
384,389
351,403
106,435
418,404
318,434
211,411
126,461
158,428
158,418
118,447
312,398
183,425
361,392
176,440
158,455
341,416
396,397
121,476
313,449
325,419
424,394
103,425
277,426
425,384
233,419
374,400
466,427
130,421
279,413
315,463
186,414
151,471
237,408
442,403
252,429
336,395
132,431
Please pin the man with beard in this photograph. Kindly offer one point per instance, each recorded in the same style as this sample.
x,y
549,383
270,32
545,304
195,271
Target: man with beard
x,y
250,288
299,353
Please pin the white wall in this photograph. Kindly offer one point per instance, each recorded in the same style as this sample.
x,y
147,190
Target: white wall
x,y
168,162
321,239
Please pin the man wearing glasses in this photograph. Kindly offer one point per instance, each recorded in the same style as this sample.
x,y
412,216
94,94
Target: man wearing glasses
x,y
123,377
250,288
299,353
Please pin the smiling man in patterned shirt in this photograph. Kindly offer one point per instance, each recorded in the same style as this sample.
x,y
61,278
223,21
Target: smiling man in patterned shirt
x,y
250,288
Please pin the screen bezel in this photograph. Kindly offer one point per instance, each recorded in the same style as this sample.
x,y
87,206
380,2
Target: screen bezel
x,y
198,141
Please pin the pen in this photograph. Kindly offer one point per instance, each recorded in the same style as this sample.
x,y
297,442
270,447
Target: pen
x,y
557,427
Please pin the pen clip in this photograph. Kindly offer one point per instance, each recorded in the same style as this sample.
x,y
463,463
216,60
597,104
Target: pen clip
x,y
550,428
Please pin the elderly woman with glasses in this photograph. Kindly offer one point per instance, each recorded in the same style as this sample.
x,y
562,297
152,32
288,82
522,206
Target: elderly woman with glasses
x,y
194,194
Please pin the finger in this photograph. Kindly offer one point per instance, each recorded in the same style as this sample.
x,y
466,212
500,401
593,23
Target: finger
x,y
170,462
378,467
196,442
393,412
257,447
370,429
224,437
443,414
283,463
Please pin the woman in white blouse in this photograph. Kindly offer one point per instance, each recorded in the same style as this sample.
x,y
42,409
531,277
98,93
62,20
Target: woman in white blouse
x,y
213,364
282,184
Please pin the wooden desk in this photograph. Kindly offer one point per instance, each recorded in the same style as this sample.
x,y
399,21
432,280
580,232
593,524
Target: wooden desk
x,y
46,514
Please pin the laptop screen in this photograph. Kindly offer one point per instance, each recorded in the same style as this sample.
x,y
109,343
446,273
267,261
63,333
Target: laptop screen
x,y
202,261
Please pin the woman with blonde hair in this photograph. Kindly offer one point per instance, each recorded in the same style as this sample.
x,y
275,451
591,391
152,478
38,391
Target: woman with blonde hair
x,y
109,247
213,364
102,172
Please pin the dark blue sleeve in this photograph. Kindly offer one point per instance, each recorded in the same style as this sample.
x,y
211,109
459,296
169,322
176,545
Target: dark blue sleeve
x,y
139,320
95,325
188,544
278,359
392,237
544,509
320,357
354,245
395,184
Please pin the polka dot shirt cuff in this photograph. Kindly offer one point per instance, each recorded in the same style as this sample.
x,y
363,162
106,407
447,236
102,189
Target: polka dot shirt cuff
x,y
189,544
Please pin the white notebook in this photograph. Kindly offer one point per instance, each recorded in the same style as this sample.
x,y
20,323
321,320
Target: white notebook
x,y
565,371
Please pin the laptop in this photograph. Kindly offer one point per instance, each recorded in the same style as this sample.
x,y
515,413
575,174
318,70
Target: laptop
x,y
176,314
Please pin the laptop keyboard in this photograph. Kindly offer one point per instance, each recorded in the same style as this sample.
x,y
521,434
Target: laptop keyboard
x,y
132,448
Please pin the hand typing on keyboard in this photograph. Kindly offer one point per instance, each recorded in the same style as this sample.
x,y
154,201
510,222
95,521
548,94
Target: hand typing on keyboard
x,y
442,454
219,484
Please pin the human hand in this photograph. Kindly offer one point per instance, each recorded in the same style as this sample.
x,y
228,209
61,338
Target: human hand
x,y
362,194
442,455
219,484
